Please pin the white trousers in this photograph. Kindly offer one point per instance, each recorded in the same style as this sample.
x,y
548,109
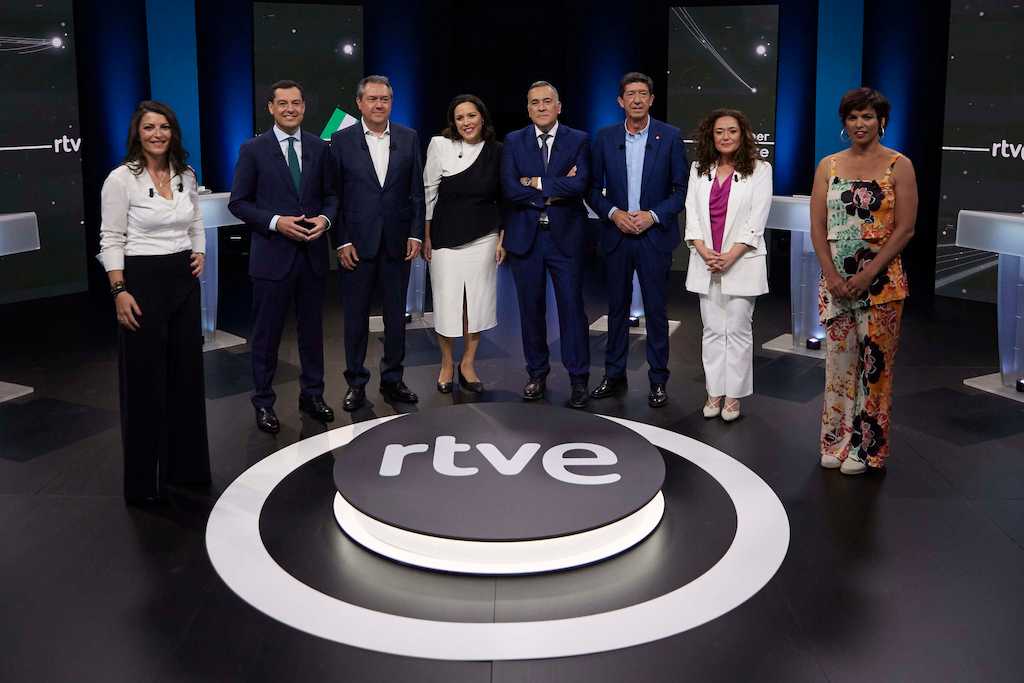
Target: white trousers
x,y
728,344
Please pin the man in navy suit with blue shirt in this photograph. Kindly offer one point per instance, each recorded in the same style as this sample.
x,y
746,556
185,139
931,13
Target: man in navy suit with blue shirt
x,y
638,187
378,166
544,178
284,192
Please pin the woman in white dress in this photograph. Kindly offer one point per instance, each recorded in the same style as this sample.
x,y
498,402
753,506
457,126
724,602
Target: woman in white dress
x,y
463,236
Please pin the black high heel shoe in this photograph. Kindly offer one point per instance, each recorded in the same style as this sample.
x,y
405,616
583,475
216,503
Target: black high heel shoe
x,y
471,387
445,387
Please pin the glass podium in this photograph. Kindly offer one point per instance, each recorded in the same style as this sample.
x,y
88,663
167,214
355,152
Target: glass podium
x,y
794,214
1002,233
214,208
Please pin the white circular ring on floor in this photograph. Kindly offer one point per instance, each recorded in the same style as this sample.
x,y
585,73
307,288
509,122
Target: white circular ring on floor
x,y
498,557
240,558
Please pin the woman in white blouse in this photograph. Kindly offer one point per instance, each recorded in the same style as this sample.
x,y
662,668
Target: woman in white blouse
x,y
727,204
463,236
151,245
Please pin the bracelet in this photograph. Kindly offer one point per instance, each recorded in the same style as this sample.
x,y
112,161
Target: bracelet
x,y
117,288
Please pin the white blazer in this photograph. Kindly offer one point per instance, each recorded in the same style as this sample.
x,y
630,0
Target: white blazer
x,y
750,199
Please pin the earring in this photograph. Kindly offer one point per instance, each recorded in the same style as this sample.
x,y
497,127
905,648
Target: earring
x,y
843,134
881,132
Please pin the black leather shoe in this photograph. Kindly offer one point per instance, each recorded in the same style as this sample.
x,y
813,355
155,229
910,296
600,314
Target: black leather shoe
x,y
472,387
315,407
397,392
657,398
266,420
535,389
579,396
609,386
355,397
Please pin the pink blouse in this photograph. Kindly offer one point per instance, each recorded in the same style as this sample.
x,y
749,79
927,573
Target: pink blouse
x,y
719,205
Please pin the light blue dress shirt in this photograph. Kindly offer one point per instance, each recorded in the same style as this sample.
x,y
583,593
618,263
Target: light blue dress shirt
x,y
636,149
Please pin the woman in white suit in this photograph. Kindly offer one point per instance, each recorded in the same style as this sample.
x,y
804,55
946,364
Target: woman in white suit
x,y
727,204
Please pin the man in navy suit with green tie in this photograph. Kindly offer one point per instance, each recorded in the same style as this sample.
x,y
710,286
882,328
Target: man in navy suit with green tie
x,y
284,192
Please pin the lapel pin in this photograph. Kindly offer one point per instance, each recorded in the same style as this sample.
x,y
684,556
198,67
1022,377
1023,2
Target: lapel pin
x,y
657,137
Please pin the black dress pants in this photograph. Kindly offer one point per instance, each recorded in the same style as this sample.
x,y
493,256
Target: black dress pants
x,y
163,402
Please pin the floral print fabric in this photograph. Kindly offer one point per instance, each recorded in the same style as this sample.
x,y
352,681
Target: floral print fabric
x,y
860,347
859,221
861,334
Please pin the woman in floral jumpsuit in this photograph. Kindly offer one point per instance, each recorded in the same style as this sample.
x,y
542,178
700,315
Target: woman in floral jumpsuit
x,y
859,229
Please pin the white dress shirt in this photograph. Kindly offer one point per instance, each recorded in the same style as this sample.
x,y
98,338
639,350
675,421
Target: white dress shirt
x,y
282,140
380,156
550,143
445,157
133,223
380,150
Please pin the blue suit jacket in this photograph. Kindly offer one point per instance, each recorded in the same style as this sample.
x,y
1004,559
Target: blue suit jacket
x,y
521,157
263,188
372,216
662,190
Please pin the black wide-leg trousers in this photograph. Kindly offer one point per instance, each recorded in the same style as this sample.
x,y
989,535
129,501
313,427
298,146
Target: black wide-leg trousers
x,y
163,402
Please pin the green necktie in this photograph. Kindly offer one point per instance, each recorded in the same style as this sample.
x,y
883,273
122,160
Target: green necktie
x,y
293,164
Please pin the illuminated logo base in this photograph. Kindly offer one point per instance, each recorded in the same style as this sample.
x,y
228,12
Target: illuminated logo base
x,y
498,557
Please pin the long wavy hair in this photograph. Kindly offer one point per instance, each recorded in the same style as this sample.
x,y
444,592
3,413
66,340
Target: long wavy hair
x,y
707,155
177,156
451,131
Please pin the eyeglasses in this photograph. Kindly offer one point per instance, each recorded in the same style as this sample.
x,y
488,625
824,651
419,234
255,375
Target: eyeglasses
x,y
636,95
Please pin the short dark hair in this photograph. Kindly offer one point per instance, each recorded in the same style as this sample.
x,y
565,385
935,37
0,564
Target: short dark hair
x,y
636,77
452,132
860,99
284,85
542,84
380,80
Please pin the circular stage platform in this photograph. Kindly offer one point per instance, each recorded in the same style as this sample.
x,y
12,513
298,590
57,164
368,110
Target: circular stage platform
x,y
499,488
724,535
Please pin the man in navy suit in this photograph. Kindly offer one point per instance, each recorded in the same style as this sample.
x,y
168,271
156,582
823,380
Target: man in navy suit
x,y
544,177
284,193
639,174
379,171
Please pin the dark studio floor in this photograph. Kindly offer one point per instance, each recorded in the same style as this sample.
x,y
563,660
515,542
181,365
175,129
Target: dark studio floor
x,y
915,575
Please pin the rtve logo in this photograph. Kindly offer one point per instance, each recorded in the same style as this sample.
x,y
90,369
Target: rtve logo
x,y
1008,150
555,460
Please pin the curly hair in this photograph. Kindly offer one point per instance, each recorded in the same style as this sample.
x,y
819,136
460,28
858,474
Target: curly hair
x,y
746,154
177,156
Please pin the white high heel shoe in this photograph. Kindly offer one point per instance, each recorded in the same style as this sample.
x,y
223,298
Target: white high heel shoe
x,y
729,414
712,409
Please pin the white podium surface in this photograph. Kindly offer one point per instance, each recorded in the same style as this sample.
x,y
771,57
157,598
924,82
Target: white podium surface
x,y
214,208
19,233
794,214
1002,233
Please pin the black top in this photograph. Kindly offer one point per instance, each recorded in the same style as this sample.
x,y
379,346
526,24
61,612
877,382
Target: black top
x,y
468,202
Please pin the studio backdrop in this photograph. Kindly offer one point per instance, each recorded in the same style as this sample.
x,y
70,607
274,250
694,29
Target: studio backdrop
x,y
40,154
